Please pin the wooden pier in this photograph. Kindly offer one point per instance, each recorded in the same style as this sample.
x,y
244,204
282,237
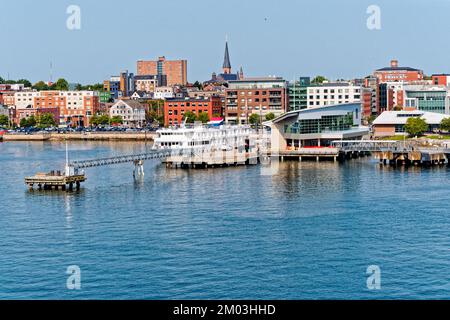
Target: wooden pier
x,y
417,157
55,181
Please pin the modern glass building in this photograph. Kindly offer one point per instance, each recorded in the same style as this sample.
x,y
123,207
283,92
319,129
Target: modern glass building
x,y
318,127
298,94
431,100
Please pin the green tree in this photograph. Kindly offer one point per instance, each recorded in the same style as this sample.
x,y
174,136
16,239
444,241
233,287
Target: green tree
x,y
2,81
198,85
28,122
4,120
203,117
104,119
25,82
270,116
94,120
78,87
116,120
254,118
24,122
416,126
46,120
40,86
319,79
190,117
61,84
445,124
31,121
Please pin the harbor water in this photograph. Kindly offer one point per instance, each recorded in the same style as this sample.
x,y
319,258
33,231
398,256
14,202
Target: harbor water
x,y
308,231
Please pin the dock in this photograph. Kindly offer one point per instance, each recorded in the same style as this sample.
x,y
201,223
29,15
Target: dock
x,y
55,181
212,159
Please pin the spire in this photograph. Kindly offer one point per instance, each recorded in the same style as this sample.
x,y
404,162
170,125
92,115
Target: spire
x,y
226,60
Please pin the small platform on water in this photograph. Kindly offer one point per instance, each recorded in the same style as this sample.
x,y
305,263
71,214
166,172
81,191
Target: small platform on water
x,y
55,181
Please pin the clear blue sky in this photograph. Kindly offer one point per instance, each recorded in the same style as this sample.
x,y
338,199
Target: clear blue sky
x,y
284,37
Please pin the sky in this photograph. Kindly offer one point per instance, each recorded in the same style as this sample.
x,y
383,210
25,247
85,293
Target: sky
x,y
288,38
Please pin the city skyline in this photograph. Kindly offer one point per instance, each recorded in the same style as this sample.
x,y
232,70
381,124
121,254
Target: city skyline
x,y
289,45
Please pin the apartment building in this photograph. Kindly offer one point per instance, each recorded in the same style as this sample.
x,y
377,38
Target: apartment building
x,y
255,95
175,108
174,70
332,93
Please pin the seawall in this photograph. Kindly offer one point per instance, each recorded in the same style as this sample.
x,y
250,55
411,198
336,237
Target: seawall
x,y
88,136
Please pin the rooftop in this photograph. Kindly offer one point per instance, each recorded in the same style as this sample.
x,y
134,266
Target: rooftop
x,y
400,117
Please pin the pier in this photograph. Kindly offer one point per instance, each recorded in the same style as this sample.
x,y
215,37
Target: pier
x,y
55,181
388,152
398,152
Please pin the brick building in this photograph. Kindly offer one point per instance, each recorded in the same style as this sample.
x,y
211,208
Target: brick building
x,y
174,70
175,108
73,108
396,73
255,95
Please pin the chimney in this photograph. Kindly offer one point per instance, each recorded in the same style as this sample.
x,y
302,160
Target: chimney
x,y
394,63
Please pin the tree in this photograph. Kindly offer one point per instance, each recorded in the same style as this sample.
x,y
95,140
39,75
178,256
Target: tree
x,y
24,122
190,117
25,82
104,119
416,126
319,79
254,118
40,86
2,81
4,120
116,120
198,85
46,120
28,122
31,121
445,124
61,84
270,116
203,117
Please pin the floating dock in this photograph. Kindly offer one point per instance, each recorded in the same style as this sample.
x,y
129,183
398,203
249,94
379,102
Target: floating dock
x,y
55,181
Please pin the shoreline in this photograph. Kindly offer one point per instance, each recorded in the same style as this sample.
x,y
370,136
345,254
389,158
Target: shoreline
x,y
89,136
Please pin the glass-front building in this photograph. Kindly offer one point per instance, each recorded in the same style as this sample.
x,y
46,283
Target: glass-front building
x,y
318,127
326,123
427,100
298,94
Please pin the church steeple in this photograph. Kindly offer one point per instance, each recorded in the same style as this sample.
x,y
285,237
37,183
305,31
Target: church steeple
x,y
226,61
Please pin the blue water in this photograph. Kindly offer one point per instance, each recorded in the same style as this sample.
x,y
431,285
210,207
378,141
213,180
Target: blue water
x,y
308,232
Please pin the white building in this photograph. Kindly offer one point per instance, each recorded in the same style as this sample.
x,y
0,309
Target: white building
x,y
164,93
391,123
145,83
25,99
131,112
333,93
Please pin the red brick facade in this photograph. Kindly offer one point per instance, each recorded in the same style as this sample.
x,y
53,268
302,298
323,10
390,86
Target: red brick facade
x,y
174,109
175,70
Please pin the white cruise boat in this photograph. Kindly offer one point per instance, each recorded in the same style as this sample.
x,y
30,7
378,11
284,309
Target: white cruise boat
x,y
224,137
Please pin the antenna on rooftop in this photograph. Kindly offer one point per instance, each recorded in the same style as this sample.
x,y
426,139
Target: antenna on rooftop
x,y
51,71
